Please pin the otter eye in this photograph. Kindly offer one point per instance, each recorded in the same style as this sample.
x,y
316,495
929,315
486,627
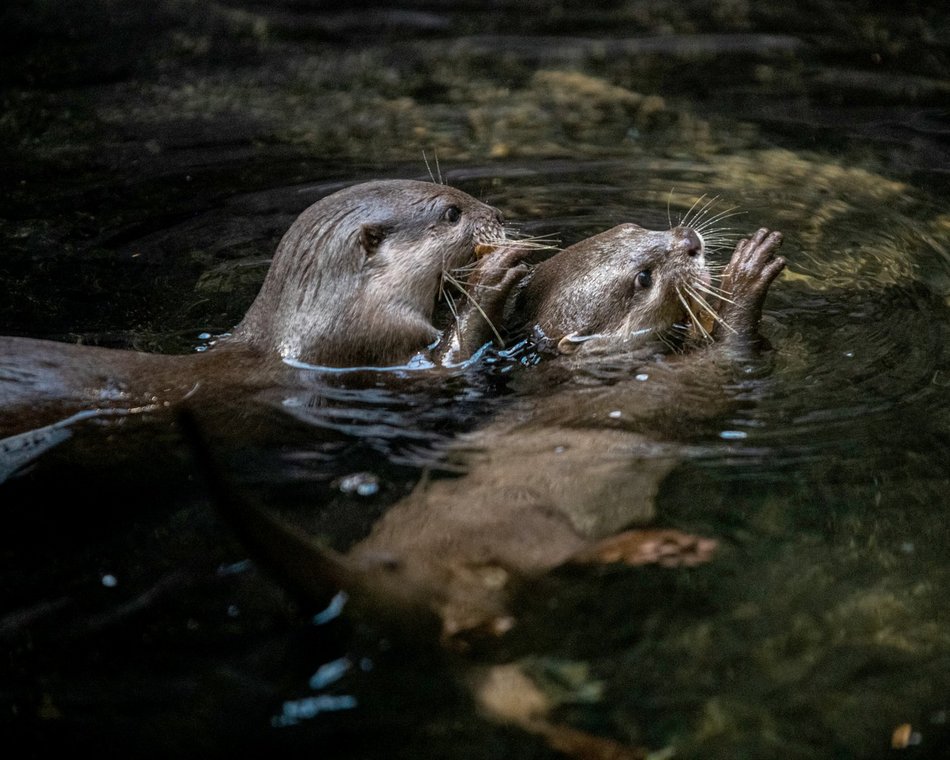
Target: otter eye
x,y
452,214
644,279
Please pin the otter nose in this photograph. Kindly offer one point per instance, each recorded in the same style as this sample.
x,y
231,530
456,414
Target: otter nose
x,y
688,241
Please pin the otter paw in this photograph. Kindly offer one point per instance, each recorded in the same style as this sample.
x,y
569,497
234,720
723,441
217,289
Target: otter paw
x,y
666,548
488,288
746,281
493,269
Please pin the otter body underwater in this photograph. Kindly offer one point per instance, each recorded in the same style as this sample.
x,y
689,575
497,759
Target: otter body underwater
x,y
562,476
354,281
450,555
551,476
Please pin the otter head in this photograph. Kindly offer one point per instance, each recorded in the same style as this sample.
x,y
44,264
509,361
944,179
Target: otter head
x,y
356,278
619,289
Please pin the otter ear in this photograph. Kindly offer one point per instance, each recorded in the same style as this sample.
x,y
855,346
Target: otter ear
x,y
372,236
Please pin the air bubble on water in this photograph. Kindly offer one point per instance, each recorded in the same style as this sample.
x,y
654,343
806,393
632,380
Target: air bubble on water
x,y
360,483
329,673
333,610
733,435
297,710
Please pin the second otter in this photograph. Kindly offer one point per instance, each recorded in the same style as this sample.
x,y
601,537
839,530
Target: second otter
x,y
356,278
629,286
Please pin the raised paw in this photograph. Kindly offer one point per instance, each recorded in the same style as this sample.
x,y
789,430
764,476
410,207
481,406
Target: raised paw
x,y
746,281
666,548
487,289
495,263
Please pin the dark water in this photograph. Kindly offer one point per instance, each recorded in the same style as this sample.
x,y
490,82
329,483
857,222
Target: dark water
x,y
152,159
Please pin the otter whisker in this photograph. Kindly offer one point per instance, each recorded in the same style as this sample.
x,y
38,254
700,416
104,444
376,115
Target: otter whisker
x,y
692,316
709,224
450,302
539,242
438,170
461,277
718,242
702,213
719,237
443,293
465,269
712,290
716,218
666,340
710,231
512,227
705,219
689,213
534,245
449,278
720,232
683,219
711,293
708,309
699,296
480,287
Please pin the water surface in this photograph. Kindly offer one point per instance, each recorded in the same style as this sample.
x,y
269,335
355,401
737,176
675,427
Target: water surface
x,y
143,200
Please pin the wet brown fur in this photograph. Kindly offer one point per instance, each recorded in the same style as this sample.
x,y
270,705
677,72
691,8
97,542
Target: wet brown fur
x,y
354,281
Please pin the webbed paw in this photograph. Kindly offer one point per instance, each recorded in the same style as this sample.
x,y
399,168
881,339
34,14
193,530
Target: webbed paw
x,y
487,290
746,281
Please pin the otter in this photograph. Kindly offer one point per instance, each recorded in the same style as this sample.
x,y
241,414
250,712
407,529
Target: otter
x,y
356,277
354,281
628,287
624,286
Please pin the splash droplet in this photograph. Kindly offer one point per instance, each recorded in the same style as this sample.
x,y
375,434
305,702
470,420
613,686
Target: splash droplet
x,y
733,435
